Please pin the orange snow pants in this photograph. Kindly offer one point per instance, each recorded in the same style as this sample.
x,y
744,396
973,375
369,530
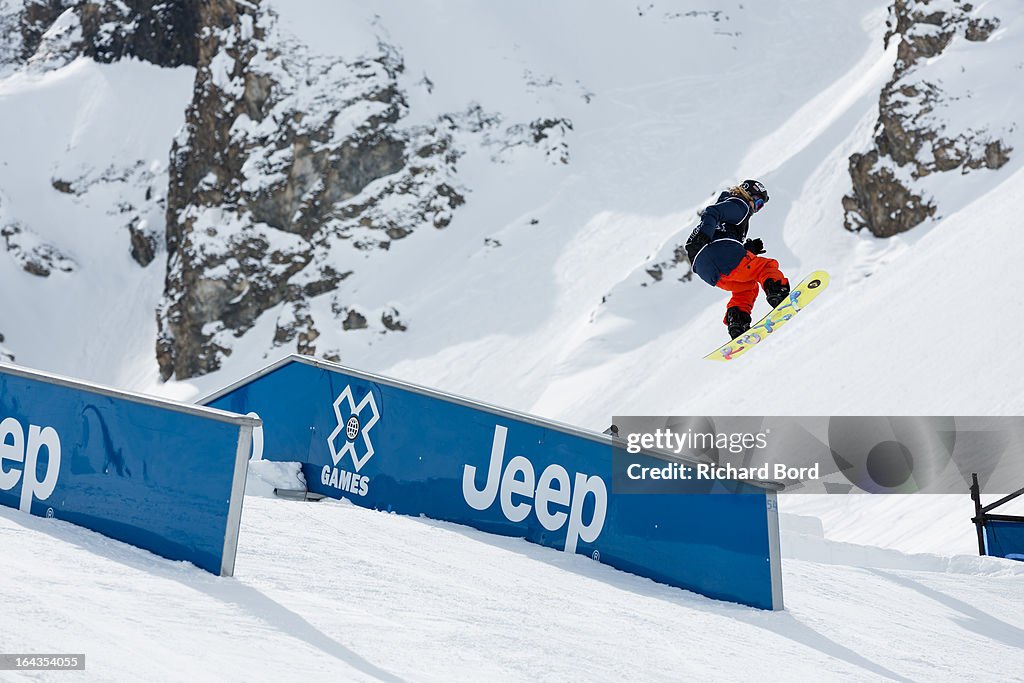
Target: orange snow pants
x,y
744,279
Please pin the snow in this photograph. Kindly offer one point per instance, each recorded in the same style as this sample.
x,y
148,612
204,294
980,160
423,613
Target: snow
x,y
646,152
267,475
565,302
87,125
562,320
332,590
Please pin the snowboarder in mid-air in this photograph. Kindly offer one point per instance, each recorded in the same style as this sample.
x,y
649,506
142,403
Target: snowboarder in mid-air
x,y
723,257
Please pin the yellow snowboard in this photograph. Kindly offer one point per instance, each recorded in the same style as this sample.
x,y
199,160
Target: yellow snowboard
x,y
803,294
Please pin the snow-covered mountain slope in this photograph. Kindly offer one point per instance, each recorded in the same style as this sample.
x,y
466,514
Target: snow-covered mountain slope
x,y
538,296
666,103
84,165
331,591
549,291
914,338
676,109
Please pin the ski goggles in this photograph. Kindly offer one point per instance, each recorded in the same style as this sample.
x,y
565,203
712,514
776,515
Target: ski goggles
x,y
758,204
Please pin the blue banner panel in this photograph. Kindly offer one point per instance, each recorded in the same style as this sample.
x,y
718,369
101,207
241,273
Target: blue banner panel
x,y
163,476
1004,539
387,445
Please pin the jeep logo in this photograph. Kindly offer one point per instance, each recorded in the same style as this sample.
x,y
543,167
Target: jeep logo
x,y
553,490
14,451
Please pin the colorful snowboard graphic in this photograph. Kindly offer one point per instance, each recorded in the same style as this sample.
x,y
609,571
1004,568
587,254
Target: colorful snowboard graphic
x,y
803,294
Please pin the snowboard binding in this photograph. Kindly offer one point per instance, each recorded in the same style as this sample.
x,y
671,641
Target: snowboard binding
x,y
737,320
775,291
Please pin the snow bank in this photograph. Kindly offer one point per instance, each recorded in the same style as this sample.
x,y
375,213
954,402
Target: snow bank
x,y
265,475
334,590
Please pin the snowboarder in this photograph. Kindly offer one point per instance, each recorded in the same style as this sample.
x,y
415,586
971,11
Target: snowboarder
x,y
723,257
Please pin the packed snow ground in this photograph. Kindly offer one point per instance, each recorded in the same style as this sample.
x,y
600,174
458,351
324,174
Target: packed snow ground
x,y
330,591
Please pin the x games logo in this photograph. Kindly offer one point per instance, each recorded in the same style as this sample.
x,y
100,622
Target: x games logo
x,y
355,420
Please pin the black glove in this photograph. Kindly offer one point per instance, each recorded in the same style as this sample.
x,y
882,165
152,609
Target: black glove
x,y
695,243
755,247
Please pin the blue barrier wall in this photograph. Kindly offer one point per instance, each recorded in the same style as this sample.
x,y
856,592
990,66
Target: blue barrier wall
x,y
163,476
392,446
1004,539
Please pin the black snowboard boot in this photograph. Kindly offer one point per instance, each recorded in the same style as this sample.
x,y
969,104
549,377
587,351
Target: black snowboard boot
x,y
738,321
775,291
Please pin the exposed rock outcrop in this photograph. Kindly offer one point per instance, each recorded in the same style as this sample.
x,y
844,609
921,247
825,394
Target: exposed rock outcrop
x,y
916,135
291,168
5,354
33,254
163,33
271,171
11,13
49,34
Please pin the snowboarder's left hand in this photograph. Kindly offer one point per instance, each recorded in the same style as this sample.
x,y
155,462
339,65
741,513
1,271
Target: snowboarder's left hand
x,y
755,247
697,241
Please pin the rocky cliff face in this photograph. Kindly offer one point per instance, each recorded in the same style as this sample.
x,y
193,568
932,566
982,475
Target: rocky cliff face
x,y
10,28
276,142
292,164
43,35
291,167
165,34
920,129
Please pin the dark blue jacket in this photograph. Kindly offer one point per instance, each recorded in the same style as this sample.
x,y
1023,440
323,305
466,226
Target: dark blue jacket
x,y
715,246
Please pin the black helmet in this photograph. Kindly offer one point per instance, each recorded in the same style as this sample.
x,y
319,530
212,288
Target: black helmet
x,y
756,191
